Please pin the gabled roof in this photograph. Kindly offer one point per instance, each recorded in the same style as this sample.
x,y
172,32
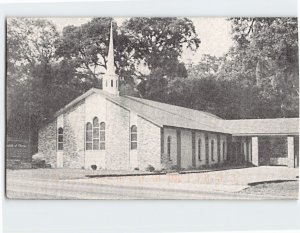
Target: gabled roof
x,y
163,114
158,113
173,116
276,126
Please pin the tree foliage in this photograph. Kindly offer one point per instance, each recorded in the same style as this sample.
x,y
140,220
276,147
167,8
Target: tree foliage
x,y
265,57
159,42
46,70
257,78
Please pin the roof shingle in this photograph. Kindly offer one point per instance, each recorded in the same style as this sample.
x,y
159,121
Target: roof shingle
x,y
175,116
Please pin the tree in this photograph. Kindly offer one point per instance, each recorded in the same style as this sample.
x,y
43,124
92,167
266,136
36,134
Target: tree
x,y
38,84
86,46
155,86
208,65
141,45
159,42
265,57
30,43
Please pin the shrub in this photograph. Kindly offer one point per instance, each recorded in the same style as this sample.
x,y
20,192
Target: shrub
x,y
150,168
38,163
202,167
136,169
94,167
174,167
191,168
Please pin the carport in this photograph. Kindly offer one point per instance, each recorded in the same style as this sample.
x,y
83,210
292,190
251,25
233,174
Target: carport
x,y
265,141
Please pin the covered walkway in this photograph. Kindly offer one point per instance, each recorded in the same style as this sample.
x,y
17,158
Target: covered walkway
x,y
265,141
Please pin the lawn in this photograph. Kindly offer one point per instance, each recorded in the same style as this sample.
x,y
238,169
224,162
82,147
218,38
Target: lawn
x,y
284,188
66,173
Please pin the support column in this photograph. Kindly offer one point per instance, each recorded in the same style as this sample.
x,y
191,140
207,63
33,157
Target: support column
x,y
193,149
255,151
218,149
178,137
291,154
247,150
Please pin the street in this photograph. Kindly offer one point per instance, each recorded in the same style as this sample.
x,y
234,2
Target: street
x,y
226,184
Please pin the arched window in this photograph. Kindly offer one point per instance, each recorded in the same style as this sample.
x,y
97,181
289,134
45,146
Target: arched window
x,y
95,133
212,150
112,83
224,150
106,83
169,147
116,83
89,136
199,149
60,138
102,136
133,137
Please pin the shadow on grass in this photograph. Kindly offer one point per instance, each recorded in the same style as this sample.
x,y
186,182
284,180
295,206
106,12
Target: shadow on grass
x,y
213,169
129,174
269,182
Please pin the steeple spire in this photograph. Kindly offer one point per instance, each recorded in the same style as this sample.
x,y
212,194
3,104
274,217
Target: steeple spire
x,y
110,56
110,82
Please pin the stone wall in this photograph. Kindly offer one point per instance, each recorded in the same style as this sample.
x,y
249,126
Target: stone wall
x,y
47,143
95,106
149,144
117,136
134,163
73,156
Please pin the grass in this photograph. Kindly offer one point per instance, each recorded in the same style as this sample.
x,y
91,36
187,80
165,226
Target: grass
x,y
284,188
68,173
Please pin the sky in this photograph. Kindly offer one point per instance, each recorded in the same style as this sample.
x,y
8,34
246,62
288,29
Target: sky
x,y
214,33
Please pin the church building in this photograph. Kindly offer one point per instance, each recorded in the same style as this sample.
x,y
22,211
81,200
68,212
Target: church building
x,y
104,130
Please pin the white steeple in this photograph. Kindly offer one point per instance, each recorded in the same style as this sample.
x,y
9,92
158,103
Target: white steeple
x,y
110,82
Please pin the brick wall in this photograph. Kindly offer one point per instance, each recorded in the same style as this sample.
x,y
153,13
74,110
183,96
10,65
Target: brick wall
x,y
74,136
47,143
117,136
95,106
149,141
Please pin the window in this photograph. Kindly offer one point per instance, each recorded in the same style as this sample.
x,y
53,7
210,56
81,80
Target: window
x,y
60,139
199,149
89,136
169,147
102,136
112,83
133,137
224,150
95,135
116,83
212,150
